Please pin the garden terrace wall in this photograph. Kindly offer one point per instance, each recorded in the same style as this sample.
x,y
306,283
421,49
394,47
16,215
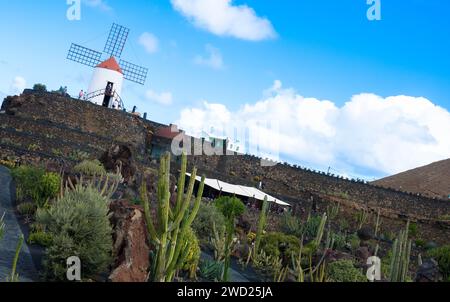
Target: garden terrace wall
x,y
85,117
289,181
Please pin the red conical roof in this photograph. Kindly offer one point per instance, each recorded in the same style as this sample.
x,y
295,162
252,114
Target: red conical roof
x,y
110,64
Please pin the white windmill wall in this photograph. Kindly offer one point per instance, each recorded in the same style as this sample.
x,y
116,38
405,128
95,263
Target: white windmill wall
x,y
100,79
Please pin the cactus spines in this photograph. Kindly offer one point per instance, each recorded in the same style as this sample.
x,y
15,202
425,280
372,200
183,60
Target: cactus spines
x,y
168,233
401,253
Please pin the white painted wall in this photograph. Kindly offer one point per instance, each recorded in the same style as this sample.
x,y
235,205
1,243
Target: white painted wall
x,y
100,79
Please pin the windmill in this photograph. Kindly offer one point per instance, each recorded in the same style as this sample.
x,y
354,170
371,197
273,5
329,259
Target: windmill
x,y
108,76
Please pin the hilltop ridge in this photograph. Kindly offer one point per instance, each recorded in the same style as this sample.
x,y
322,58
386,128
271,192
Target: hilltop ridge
x,y
431,180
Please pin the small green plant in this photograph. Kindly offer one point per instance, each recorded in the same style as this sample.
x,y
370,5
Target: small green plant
x,y
218,242
36,184
442,256
34,147
211,270
40,87
193,251
333,211
208,214
40,238
78,155
90,168
13,276
280,245
57,152
344,271
231,208
413,229
311,227
291,225
26,209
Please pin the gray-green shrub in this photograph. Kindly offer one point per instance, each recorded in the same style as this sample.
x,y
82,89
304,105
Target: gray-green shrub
x,y
344,271
90,168
203,223
79,225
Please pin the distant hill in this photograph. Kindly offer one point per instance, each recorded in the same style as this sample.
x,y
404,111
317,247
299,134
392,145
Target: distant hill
x,y
432,180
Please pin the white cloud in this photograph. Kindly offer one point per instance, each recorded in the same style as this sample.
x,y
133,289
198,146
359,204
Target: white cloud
x,y
214,59
150,42
18,85
163,98
100,4
376,135
222,18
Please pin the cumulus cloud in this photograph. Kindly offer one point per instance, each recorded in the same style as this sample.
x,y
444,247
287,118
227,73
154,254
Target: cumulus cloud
x,y
222,18
163,98
150,42
18,85
213,59
380,136
100,4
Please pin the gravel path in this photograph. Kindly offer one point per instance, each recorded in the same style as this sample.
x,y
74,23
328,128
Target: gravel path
x,y
25,266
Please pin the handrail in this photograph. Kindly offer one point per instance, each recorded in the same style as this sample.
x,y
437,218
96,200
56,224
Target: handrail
x,y
100,92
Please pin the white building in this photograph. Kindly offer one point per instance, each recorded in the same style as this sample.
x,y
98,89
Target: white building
x,y
107,73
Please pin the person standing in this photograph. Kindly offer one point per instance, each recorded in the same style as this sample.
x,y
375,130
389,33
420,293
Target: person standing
x,y
81,95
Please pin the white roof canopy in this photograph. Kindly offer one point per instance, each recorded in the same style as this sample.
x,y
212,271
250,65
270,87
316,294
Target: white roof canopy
x,y
240,190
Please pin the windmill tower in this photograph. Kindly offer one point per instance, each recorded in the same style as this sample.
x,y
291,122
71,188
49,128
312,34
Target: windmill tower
x,y
107,80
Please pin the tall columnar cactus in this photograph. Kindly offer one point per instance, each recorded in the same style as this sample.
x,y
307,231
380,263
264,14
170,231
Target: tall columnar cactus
x,y
377,223
400,257
169,232
261,225
321,229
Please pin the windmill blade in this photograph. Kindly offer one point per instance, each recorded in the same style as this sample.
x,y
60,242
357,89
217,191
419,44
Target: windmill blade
x,y
134,73
116,40
84,55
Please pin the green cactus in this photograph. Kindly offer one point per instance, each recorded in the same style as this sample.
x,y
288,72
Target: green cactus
x,y
361,218
321,229
218,242
377,223
401,253
261,224
169,233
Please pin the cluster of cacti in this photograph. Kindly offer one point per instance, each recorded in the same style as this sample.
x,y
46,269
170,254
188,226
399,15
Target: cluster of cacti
x,y
261,224
361,218
106,184
401,253
168,233
333,211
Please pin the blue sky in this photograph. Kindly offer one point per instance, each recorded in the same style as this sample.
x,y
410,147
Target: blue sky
x,y
321,49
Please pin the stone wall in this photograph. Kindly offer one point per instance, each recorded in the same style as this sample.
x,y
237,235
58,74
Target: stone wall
x,y
58,126
297,184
